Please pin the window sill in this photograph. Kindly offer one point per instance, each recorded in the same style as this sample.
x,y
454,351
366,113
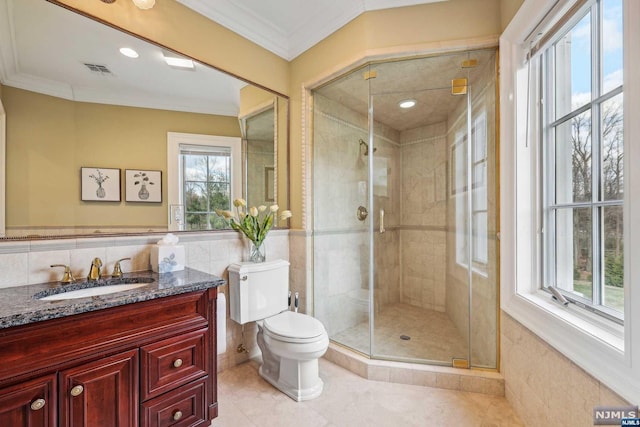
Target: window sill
x,y
600,328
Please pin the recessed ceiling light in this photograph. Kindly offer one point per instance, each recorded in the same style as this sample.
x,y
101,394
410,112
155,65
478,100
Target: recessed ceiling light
x,y
127,51
407,103
178,61
144,4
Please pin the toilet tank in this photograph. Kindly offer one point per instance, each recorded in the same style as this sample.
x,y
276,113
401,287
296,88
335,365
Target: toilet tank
x,y
258,290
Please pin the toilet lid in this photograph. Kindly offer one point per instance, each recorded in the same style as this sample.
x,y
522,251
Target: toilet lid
x,y
290,324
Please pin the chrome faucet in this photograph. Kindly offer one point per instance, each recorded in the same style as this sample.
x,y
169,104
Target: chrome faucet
x,y
94,270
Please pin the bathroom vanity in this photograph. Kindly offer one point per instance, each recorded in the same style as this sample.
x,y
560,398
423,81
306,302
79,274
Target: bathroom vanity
x,y
145,356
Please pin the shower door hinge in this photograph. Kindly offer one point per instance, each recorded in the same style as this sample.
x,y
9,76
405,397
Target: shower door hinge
x,y
370,74
460,363
470,63
459,86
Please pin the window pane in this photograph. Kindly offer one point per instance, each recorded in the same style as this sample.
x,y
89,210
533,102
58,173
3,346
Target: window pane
x,y
613,258
573,68
612,44
480,243
195,197
218,196
573,257
217,222
573,160
612,149
479,199
219,168
197,221
195,167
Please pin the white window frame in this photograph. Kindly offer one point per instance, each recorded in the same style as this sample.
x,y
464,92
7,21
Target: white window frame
x,y
459,190
174,174
552,121
605,350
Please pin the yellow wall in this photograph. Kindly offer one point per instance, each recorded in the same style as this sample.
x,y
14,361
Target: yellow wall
x,y
253,98
49,139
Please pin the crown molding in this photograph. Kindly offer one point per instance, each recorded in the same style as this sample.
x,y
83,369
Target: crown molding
x,y
244,22
319,20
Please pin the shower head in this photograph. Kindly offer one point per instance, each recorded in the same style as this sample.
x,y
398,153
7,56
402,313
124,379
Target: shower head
x,y
366,147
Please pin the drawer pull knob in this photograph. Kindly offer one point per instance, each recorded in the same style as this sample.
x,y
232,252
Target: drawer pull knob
x,y
77,390
177,363
177,415
37,404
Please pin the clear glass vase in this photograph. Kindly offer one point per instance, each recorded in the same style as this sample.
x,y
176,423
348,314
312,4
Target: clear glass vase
x,y
257,253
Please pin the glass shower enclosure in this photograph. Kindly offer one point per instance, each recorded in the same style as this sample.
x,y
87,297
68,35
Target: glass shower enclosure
x,y
405,209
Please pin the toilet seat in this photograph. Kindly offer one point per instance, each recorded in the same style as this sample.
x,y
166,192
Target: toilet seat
x,y
290,326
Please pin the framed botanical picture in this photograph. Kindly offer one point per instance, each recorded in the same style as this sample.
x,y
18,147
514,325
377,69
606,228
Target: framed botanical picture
x,y
143,186
99,185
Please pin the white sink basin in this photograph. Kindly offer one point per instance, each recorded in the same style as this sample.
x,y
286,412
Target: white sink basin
x,y
90,292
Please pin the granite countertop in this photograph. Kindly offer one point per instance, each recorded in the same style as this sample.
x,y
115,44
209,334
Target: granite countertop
x,y
18,306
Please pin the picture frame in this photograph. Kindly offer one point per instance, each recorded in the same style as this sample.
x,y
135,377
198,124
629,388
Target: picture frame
x,y
99,184
144,186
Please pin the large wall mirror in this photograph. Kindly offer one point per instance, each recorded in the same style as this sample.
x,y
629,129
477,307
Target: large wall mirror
x,y
86,127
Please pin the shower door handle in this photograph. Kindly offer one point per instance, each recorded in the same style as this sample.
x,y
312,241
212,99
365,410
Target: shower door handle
x,y
382,229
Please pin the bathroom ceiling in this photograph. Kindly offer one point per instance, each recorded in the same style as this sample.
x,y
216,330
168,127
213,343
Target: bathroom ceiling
x,y
44,49
289,27
426,80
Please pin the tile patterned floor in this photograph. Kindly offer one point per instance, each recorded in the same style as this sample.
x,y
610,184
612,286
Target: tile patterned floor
x,y
433,335
246,400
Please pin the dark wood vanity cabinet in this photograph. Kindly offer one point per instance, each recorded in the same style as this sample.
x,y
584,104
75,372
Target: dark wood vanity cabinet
x,y
100,393
150,364
28,403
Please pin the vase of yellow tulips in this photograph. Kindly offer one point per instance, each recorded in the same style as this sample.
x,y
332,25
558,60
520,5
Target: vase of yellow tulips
x,y
254,223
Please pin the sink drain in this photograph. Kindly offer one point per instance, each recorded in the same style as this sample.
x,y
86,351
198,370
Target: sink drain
x,y
405,337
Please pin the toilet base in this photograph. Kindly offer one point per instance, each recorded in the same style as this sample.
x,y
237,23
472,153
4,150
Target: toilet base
x,y
306,388
297,378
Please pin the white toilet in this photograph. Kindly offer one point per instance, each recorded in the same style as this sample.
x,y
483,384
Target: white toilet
x,y
291,343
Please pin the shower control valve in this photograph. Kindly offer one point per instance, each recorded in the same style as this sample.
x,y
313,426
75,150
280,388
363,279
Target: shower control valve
x,y
362,213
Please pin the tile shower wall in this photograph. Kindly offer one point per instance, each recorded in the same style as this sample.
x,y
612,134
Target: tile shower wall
x,y
26,262
544,387
424,215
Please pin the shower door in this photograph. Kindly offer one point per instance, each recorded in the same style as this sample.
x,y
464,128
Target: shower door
x,y
341,238
408,269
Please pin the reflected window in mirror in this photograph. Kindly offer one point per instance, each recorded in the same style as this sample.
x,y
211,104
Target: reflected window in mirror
x,y
204,174
205,185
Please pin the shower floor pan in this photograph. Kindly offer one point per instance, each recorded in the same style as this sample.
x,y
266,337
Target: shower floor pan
x,y
404,331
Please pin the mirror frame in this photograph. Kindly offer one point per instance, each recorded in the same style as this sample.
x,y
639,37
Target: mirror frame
x,y
284,190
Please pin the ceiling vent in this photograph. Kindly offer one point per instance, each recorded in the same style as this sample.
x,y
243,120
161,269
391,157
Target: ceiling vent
x,y
99,69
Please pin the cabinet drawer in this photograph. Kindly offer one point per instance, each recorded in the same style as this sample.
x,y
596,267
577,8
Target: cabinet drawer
x,y
185,406
172,362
